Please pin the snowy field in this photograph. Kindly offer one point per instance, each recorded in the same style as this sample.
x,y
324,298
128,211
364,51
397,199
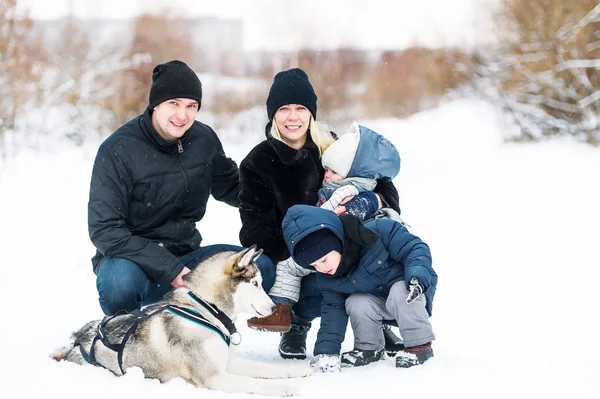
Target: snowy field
x,y
513,229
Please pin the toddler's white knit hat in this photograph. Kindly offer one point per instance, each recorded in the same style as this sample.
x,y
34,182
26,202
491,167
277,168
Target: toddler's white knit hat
x,y
340,155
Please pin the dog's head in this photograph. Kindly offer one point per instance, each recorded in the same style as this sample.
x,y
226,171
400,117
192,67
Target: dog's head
x,y
232,282
246,284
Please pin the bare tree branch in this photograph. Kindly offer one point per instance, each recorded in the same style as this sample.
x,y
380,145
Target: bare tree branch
x,y
568,34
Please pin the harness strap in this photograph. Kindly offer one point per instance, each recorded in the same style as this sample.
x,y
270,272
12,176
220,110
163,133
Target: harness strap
x,y
101,336
221,316
186,313
139,316
196,317
91,357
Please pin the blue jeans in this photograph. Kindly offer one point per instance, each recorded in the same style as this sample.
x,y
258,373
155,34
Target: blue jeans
x,y
123,285
308,306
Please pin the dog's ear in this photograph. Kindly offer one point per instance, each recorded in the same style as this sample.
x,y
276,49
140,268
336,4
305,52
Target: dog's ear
x,y
237,266
242,259
248,256
256,255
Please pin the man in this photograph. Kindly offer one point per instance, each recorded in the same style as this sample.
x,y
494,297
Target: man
x,y
150,185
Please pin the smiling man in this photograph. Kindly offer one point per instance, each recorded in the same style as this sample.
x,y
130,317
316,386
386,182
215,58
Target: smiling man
x,y
150,185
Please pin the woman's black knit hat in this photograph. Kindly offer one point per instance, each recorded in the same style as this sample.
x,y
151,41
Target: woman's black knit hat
x,y
174,79
291,87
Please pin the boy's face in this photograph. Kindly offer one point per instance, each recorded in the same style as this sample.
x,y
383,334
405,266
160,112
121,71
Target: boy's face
x,y
329,263
331,175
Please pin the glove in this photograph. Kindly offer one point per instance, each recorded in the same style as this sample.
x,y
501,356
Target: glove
x,y
363,204
336,197
326,363
415,290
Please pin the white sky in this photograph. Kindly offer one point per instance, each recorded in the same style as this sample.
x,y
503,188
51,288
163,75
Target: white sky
x,y
273,24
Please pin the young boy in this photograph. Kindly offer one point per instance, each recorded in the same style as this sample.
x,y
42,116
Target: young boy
x,y
369,273
352,166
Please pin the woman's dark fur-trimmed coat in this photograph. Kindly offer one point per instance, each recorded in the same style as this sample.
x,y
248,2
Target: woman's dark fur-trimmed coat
x,y
273,178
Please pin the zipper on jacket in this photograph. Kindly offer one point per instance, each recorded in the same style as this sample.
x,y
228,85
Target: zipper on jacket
x,y
179,146
186,179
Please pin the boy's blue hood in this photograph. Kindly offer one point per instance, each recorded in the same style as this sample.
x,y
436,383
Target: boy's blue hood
x,y
301,220
376,157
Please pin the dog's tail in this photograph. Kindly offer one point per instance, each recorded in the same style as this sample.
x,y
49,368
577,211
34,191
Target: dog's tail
x,y
60,353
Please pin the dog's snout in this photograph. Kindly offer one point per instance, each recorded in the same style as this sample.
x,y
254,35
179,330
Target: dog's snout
x,y
273,308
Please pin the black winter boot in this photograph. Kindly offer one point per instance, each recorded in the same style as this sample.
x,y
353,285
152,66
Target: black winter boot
x,y
393,344
358,357
413,356
293,343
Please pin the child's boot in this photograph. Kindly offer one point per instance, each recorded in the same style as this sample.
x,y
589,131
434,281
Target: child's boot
x,y
279,321
414,355
358,357
393,343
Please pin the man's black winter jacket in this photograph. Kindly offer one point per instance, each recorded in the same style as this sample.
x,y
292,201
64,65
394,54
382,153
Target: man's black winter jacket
x,y
147,193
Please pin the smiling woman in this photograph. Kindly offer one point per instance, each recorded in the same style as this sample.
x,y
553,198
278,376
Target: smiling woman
x,y
284,170
292,121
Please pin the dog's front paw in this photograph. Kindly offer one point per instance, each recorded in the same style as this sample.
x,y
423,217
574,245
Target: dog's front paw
x,y
283,391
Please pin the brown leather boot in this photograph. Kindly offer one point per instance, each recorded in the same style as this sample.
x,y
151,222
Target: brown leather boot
x,y
279,321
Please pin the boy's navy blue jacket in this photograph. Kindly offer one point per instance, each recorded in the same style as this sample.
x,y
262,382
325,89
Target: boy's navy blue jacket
x,y
391,255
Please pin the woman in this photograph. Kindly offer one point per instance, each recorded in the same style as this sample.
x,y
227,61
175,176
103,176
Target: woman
x,y
285,170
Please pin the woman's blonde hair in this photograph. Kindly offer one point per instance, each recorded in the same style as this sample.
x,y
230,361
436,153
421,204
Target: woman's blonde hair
x,y
319,133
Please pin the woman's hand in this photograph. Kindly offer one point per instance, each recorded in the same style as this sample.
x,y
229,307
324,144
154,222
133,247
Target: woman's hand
x,y
361,205
341,208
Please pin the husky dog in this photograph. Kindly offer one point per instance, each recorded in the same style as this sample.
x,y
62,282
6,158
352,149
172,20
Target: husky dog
x,y
189,333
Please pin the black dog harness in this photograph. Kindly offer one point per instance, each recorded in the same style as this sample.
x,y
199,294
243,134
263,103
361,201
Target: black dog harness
x,y
233,337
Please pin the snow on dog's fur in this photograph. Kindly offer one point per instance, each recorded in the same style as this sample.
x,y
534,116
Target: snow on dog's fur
x,y
166,345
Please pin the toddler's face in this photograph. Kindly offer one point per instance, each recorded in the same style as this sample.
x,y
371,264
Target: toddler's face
x,y
331,175
329,263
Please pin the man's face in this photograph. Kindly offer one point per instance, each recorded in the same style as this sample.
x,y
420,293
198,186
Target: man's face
x,y
172,118
329,263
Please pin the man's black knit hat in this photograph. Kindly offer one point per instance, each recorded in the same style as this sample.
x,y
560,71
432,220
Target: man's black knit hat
x,y
316,245
174,79
291,87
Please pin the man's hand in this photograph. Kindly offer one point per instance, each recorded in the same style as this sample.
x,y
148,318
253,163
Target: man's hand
x,y
178,281
326,363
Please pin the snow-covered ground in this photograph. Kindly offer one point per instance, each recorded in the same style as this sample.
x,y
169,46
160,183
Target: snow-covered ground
x,y
513,228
